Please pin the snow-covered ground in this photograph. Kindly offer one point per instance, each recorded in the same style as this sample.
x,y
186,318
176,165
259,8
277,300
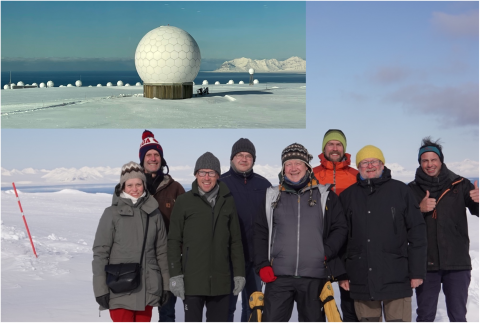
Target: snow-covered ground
x,y
272,105
57,286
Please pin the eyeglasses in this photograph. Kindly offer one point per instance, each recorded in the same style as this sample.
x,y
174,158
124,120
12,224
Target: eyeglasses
x,y
204,173
244,156
374,163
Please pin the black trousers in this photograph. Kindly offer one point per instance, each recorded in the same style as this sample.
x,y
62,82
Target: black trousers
x,y
217,308
281,294
347,305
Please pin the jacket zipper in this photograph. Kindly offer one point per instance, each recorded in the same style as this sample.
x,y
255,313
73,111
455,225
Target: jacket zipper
x,y
334,178
298,235
186,259
271,249
351,224
394,223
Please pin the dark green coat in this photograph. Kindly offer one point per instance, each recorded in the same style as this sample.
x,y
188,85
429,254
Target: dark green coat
x,y
202,240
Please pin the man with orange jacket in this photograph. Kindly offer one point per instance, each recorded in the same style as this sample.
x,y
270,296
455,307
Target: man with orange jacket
x,y
335,169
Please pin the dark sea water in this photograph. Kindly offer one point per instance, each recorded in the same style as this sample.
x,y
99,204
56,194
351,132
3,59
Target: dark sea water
x,y
95,77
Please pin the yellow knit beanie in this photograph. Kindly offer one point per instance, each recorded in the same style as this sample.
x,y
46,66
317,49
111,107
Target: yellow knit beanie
x,y
368,152
335,134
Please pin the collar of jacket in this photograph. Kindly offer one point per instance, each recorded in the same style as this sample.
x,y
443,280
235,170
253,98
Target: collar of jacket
x,y
242,175
167,180
125,206
376,182
286,188
338,165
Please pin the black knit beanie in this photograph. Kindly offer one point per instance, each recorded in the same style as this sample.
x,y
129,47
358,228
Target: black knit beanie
x,y
243,145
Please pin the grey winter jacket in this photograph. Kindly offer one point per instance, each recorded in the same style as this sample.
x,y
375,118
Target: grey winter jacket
x,y
119,239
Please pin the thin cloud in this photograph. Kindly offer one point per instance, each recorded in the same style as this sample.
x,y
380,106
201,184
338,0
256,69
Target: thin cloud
x,y
450,106
466,168
462,25
389,74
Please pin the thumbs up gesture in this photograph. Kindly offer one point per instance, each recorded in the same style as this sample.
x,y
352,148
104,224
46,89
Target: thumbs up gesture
x,y
474,192
428,204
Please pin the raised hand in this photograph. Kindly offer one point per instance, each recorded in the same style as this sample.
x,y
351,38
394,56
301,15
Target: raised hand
x,y
474,192
428,204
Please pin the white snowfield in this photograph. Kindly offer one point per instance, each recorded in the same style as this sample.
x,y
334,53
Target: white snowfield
x,y
243,64
272,105
57,287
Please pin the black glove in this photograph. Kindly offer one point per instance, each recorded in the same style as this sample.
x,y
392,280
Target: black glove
x,y
103,300
165,296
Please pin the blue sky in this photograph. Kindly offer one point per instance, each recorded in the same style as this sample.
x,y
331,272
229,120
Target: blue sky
x,y
113,29
387,74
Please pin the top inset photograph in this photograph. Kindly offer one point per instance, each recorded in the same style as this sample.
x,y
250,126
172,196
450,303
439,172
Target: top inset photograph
x,y
153,64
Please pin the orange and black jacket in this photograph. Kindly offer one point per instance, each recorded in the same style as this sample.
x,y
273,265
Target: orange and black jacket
x,y
447,225
339,174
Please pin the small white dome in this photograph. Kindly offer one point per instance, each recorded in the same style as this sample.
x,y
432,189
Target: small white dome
x,y
89,86
231,82
120,83
255,81
127,84
109,84
205,82
99,85
241,82
27,84
34,84
217,82
78,83
50,84
20,83
6,87
69,85
42,85
251,71
61,86
138,84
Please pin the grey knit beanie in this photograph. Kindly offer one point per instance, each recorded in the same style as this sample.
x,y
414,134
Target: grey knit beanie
x,y
132,170
243,145
207,161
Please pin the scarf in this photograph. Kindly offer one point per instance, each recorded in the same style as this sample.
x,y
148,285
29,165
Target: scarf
x,y
154,182
300,184
435,185
211,196
134,200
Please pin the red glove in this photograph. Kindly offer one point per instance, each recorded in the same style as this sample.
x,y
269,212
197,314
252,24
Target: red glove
x,y
266,274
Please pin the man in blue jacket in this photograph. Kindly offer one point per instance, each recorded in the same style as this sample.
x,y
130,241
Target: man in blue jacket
x,y
248,190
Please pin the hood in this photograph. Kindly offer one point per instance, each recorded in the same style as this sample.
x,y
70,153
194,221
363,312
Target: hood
x,y
338,165
147,203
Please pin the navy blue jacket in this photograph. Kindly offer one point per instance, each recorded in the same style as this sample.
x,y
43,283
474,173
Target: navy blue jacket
x,y
248,191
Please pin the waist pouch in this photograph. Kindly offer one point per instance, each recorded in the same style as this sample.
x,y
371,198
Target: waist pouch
x,y
123,277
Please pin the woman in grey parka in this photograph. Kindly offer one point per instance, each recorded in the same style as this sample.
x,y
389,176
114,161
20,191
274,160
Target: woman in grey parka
x,y
119,239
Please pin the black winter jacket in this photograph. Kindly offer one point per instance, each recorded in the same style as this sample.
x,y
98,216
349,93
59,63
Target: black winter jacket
x,y
447,234
334,234
248,191
387,241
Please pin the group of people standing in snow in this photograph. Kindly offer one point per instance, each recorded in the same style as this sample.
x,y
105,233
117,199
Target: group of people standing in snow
x,y
377,237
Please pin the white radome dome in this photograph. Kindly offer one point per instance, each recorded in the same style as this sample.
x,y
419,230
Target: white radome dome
x,y
120,83
35,84
127,84
20,83
205,82
138,84
78,83
89,86
231,82
251,71
255,81
217,82
69,85
109,84
167,54
99,85
241,82
50,84
61,86
6,87
42,85
27,85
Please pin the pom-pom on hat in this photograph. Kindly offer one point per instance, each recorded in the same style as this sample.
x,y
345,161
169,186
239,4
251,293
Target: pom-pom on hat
x,y
369,152
150,143
132,170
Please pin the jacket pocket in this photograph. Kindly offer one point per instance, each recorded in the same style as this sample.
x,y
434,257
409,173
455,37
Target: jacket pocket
x,y
154,280
394,221
395,269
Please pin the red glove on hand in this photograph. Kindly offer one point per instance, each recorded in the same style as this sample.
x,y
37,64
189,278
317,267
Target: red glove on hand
x,y
266,274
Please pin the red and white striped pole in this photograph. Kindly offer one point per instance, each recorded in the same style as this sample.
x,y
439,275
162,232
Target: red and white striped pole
x,y
24,220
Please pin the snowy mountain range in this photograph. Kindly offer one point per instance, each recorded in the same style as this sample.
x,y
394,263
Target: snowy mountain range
x,y
293,64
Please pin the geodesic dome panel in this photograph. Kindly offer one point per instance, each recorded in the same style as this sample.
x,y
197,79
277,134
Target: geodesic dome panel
x,y
167,54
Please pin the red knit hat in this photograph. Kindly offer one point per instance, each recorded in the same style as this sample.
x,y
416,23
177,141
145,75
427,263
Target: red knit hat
x,y
150,143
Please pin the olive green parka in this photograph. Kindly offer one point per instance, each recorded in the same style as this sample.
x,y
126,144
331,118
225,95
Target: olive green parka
x,y
202,240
